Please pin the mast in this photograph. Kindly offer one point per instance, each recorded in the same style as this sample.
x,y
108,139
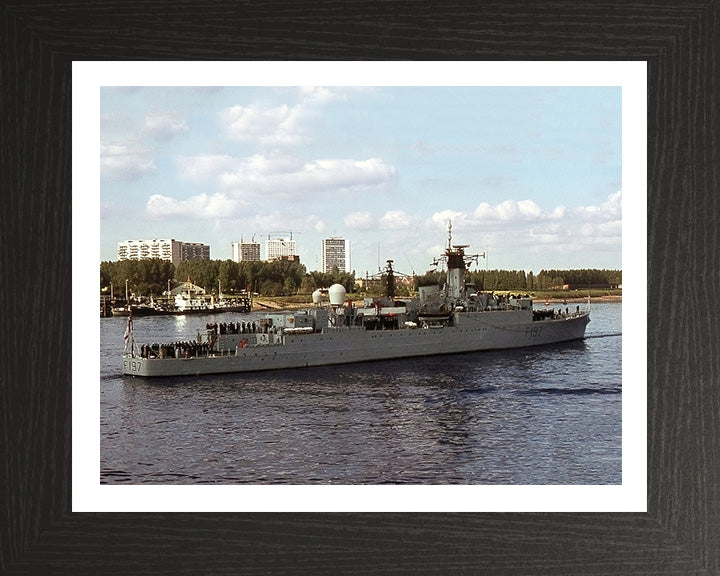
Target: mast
x,y
457,263
390,280
455,255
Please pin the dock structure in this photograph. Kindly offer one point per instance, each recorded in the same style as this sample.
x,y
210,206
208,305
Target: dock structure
x,y
105,307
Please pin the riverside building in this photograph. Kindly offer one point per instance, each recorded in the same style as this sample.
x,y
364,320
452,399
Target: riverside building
x,y
335,252
245,251
280,248
165,249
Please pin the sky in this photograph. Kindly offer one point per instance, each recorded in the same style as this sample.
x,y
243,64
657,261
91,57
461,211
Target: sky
x,y
529,176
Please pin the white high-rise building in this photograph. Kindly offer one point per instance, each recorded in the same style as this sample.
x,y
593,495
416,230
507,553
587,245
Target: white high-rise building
x,y
245,251
278,248
335,252
165,249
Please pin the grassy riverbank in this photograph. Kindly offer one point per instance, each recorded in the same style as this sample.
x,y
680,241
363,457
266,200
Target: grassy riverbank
x,y
270,303
560,296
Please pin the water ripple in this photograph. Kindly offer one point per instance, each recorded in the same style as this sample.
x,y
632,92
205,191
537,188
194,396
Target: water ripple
x,y
547,415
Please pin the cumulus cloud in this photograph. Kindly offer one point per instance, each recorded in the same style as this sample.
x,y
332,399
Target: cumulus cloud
x,y
512,210
525,224
121,162
201,206
277,125
398,220
359,221
612,208
164,126
203,167
284,176
442,218
282,221
338,174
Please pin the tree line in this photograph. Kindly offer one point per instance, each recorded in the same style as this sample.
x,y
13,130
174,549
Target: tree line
x,y
529,281
544,280
284,278
277,278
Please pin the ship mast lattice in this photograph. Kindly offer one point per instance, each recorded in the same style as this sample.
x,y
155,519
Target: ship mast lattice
x,y
456,252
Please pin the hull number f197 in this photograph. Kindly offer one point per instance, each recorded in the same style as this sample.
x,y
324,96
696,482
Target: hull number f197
x,y
131,365
532,332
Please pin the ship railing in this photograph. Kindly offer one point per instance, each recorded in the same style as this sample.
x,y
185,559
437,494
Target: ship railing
x,y
340,328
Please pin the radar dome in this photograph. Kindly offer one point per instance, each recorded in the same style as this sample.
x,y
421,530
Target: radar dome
x,y
336,293
317,296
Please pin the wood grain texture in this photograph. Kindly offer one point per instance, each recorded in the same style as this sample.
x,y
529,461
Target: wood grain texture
x,y
681,532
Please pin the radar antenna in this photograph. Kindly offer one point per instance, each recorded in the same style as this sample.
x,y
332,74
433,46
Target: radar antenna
x,y
390,277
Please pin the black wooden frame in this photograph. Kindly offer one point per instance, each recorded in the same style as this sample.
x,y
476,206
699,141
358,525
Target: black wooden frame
x,y
680,533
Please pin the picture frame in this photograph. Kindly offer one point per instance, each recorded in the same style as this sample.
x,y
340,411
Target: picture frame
x,y
39,533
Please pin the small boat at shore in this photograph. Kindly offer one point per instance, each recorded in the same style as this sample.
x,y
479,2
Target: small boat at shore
x,y
187,305
193,305
141,309
446,319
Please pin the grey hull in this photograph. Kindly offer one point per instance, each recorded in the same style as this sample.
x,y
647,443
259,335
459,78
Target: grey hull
x,y
471,331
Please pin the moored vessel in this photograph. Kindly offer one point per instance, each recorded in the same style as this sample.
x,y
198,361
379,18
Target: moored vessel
x,y
446,319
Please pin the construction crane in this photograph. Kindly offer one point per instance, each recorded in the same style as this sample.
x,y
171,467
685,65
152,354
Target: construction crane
x,y
283,235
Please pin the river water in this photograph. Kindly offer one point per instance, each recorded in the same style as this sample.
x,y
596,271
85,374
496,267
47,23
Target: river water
x,y
546,415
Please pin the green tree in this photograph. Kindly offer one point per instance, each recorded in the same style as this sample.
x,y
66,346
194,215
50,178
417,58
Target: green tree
x,y
307,284
229,276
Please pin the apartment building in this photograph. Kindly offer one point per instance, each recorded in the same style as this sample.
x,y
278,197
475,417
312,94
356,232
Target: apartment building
x,y
245,251
335,252
165,249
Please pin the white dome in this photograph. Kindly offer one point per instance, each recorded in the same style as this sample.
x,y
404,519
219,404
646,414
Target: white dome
x,y
336,293
317,296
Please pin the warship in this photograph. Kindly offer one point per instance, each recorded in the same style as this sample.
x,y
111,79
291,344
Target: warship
x,y
448,319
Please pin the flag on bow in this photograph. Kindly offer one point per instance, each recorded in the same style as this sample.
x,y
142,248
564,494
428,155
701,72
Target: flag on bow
x,y
128,331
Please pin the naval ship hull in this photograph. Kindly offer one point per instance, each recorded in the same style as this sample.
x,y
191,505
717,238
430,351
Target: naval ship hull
x,y
469,332
441,320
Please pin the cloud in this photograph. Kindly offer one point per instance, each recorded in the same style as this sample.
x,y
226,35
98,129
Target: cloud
x,y
113,122
314,95
164,126
203,167
611,208
525,224
277,220
282,125
442,218
198,207
119,161
512,210
269,222
359,220
336,174
399,220
270,126
316,223
287,177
